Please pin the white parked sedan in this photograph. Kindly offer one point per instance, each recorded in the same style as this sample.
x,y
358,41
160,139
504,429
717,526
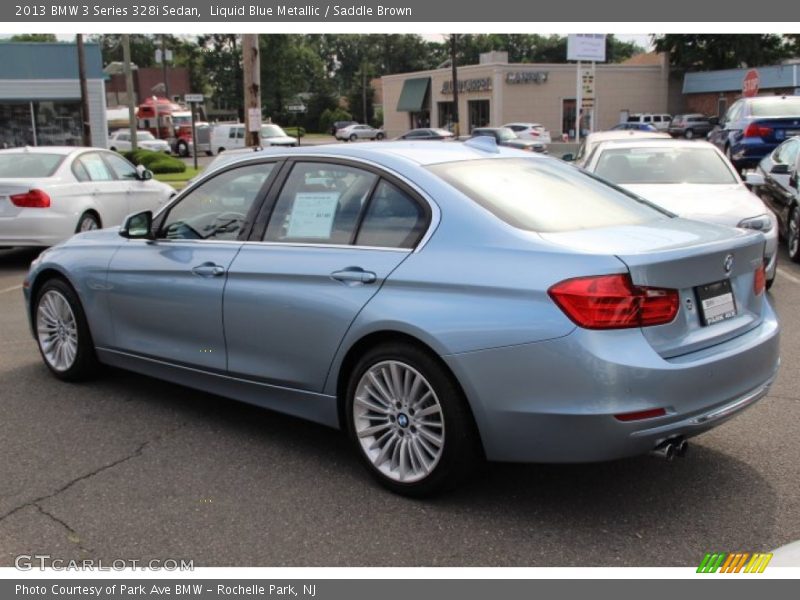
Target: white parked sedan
x,y
692,179
50,192
121,141
530,131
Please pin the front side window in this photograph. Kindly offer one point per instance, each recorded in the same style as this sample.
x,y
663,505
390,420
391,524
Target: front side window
x,y
320,203
545,195
95,167
121,167
217,209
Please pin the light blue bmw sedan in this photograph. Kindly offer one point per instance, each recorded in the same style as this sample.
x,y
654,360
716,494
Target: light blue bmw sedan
x,y
442,303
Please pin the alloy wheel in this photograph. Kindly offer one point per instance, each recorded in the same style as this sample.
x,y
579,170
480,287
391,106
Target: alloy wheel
x,y
793,240
399,421
57,330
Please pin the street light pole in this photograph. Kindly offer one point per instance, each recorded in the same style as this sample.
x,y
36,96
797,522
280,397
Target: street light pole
x,y
86,130
164,65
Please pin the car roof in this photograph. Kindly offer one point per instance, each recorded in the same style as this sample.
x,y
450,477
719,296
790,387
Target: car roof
x,y
622,134
65,150
420,153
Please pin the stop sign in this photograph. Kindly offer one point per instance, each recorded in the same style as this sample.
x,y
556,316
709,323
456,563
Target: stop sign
x,y
750,83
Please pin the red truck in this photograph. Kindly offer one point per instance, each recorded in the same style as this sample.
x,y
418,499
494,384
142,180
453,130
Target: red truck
x,y
169,121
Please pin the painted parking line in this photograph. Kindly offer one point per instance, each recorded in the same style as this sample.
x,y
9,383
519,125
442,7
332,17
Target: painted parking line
x,y
19,287
789,276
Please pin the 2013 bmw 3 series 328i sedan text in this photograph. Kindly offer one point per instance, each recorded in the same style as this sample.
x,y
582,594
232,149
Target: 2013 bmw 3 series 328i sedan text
x,y
442,303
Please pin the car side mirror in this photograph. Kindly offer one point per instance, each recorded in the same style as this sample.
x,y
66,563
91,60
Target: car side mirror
x,y
568,157
138,226
779,169
143,174
754,179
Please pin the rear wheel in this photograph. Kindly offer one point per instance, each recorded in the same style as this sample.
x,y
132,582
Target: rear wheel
x,y
87,222
62,332
410,421
183,148
688,134
793,234
353,137
379,137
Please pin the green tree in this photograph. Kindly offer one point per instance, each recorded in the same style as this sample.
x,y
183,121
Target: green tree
x,y
221,61
706,52
34,37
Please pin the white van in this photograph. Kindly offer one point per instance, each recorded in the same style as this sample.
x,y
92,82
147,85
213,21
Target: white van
x,y
229,136
658,120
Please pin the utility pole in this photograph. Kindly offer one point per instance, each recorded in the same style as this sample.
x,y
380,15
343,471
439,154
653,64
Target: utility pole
x,y
164,65
453,39
126,65
251,66
364,91
87,128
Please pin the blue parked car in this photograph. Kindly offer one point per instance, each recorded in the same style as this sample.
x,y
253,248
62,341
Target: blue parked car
x,y
440,302
634,127
754,127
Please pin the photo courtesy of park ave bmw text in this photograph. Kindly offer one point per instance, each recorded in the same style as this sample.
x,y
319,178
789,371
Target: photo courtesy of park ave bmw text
x,y
391,299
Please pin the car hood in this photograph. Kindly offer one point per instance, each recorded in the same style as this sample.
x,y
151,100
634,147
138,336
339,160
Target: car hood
x,y
724,204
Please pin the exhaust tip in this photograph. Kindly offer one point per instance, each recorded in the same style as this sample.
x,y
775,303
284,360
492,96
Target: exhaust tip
x,y
681,448
665,451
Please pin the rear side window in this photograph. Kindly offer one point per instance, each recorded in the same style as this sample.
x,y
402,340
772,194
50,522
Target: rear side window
x,y
34,164
544,195
393,219
96,167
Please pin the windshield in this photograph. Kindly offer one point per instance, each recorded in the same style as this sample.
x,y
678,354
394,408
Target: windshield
x,y
180,121
269,131
504,133
23,164
783,107
144,136
545,195
660,165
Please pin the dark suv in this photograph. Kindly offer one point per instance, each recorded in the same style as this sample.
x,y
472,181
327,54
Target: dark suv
x,y
690,126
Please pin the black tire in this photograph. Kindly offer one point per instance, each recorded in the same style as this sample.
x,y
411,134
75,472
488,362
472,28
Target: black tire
x,y
209,153
87,222
220,150
353,137
460,452
379,137
113,149
688,134
183,149
84,364
793,234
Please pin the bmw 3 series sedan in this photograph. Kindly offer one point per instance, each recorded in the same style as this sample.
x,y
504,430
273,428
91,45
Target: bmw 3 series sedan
x,y
442,303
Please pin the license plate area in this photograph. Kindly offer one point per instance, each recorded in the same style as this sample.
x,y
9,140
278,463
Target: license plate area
x,y
716,302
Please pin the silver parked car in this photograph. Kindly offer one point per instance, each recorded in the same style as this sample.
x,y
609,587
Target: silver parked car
x,y
440,302
691,179
356,132
48,193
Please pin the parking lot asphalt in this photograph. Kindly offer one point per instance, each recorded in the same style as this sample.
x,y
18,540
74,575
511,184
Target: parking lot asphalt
x,y
127,467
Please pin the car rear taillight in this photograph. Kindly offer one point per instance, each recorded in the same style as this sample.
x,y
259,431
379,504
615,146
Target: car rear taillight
x,y
641,414
31,199
760,280
756,130
613,302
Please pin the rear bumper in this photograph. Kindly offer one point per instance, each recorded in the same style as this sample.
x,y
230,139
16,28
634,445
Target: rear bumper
x,y
36,227
555,401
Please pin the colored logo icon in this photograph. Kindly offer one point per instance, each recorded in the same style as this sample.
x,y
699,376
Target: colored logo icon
x,y
734,562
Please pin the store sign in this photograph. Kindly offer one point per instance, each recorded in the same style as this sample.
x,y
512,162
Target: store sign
x,y
468,85
586,46
526,77
587,87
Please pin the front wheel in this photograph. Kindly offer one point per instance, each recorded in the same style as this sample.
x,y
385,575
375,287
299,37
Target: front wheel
x,y
353,137
62,332
793,234
183,149
410,421
689,134
379,137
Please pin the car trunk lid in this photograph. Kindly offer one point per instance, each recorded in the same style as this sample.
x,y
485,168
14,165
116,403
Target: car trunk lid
x,y
702,261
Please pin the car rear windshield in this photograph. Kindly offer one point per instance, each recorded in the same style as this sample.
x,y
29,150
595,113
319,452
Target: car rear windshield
x,y
545,195
269,131
23,164
663,165
784,107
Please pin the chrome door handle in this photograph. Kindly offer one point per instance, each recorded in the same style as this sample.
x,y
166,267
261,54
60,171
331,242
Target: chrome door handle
x,y
354,275
208,269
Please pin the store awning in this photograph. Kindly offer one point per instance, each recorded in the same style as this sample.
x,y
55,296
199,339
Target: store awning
x,y
412,98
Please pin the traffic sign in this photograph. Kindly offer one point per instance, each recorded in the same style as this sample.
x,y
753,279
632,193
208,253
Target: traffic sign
x,y
193,97
750,83
296,108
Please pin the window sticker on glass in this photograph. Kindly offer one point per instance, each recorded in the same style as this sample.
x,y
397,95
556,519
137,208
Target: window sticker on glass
x,y
312,215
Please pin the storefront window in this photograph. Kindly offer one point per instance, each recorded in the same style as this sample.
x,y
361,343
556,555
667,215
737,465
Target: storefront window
x,y
478,113
445,115
57,123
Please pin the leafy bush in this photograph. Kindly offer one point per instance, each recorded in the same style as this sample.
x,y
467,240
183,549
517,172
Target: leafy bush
x,y
157,162
329,117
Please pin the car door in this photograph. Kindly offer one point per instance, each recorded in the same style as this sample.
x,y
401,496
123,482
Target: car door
x,y
165,294
140,195
293,292
779,192
109,194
